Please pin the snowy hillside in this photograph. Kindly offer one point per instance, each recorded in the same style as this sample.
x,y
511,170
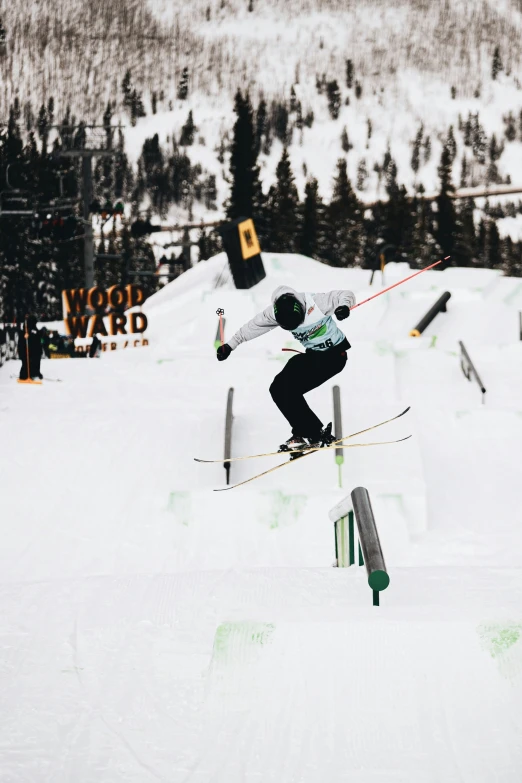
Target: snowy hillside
x,y
155,630
417,67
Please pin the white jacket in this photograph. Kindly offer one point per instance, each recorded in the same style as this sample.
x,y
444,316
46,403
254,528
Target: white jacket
x,y
265,321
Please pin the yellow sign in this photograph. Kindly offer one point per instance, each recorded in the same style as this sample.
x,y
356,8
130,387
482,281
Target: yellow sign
x,y
248,238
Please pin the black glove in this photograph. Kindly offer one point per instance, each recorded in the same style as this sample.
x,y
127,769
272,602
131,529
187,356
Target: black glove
x,y
342,312
223,352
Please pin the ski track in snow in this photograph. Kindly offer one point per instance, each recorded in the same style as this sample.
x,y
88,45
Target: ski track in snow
x,y
151,630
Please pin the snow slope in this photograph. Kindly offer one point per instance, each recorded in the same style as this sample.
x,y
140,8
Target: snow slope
x,y
155,630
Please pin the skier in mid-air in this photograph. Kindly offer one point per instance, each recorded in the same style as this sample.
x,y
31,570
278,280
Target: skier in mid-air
x,y
309,317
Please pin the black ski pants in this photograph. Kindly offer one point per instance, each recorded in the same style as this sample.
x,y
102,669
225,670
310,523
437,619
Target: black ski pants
x,y
301,374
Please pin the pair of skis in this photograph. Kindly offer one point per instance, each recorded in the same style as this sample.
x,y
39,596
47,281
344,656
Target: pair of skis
x,y
335,445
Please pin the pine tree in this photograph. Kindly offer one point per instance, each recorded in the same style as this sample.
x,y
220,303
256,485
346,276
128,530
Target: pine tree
x,y
188,132
137,109
362,174
468,131
155,174
293,99
261,125
427,149
415,155
345,142
510,131
451,144
479,140
183,87
126,89
334,98
446,217
283,208
424,248
349,74
279,121
496,65
107,120
209,244
495,149
246,193
311,240
464,173
344,222
42,124
464,245
489,244
299,121
309,119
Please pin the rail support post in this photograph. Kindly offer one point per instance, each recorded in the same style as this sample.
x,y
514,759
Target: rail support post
x,y
338,430
229,418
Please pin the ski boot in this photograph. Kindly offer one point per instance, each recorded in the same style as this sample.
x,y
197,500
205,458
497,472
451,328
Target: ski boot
x,y
295,444
325,438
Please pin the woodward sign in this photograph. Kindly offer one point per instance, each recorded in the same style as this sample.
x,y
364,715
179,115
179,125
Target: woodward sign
x,y
79,323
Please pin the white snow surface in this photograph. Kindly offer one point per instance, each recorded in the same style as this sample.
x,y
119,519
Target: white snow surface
x,y
152,629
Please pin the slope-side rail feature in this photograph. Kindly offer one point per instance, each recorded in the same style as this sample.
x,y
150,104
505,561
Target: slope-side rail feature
x,y
358,504
438,307
468,368
229,418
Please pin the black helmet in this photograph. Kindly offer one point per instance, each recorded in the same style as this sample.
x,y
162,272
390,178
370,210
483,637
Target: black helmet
x,y
289,312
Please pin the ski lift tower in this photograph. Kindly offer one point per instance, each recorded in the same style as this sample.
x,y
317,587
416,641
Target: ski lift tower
x,y
86,142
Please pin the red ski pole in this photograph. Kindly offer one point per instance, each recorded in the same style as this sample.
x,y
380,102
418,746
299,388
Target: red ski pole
x,y
400,282
221,313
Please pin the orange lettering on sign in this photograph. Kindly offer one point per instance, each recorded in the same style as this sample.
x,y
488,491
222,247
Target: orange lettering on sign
x,y
135,295
117,322
76,325
134,327
97,326
74,301
117,297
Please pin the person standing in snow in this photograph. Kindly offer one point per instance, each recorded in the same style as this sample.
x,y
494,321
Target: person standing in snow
x,y
309,317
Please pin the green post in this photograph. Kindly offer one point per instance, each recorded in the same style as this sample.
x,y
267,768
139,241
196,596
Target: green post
x,y
341,549
340,460
376,598
351,538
